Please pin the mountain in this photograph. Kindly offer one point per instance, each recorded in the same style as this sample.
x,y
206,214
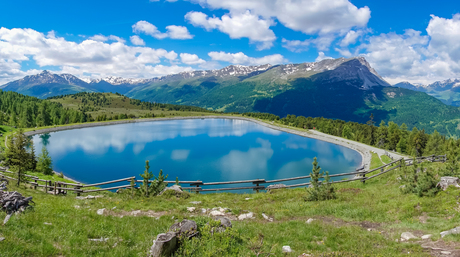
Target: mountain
x,y
347,89
47,84
448,91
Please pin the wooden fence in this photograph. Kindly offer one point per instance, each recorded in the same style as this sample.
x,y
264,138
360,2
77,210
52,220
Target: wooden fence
x,y
57,187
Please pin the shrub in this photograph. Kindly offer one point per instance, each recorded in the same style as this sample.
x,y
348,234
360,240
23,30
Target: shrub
x,y
154,187
418,180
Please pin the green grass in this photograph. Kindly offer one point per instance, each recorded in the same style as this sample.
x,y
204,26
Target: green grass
x,y
386,159
375,161
340,226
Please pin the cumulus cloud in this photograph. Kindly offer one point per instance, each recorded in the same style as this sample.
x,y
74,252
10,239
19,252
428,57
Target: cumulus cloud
x,y
322,56
191,59
415,57
322,43
90,56
136,40
172,31
350,38
242,25
241,58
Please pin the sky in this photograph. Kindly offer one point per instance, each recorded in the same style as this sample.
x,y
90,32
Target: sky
x,y
415,41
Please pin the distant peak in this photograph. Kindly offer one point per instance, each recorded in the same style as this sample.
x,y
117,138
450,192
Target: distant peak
x,y
45,72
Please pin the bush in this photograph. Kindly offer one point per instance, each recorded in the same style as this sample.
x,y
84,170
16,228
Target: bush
x,y
418,180
319,191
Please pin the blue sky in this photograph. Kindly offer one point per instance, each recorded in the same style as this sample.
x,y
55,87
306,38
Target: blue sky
x,y
417,41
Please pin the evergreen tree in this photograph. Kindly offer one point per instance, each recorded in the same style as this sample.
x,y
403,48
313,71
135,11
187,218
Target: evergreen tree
x,y
346,132
434,144
319,191
382,135
453,156
44,164
145,187
17,156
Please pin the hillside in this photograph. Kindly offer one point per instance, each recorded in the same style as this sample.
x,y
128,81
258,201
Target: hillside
x,y
448,91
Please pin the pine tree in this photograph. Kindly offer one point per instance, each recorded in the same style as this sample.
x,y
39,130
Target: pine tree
x,y
145,187
319,191
44,164
17,156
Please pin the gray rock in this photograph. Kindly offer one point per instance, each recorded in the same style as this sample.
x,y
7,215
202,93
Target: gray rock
x,y
449,232
249,215
216,213
203,210
100,211
445,252
47,223
196,202
287,249
185,227
224,222
445,182
2,238
267,218
276,186
310,220
426,236
102,239
191,209
407,236
174,187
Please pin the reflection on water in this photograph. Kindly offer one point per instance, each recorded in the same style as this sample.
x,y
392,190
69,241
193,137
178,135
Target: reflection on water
x,y
207,150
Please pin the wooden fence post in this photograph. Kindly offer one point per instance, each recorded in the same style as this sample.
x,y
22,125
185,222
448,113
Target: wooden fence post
x,y
364,178
35,186
54,187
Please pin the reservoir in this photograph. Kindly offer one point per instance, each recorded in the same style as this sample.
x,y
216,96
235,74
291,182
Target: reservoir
x,y
210,150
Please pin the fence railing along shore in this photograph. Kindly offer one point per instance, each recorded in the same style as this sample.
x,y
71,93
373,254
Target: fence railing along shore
x,y
58,187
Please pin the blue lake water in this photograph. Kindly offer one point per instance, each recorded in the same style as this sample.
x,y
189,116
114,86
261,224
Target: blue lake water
x,y
210,150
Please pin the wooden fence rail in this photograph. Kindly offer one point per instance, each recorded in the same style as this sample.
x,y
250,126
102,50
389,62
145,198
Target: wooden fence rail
x,y
57,187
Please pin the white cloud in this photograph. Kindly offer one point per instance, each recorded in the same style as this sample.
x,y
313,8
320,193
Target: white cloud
x,y
241,58
350,38
243,25
136,40
307,16
173,31
322,56
99,37
322,43
90,56
191,59
415,57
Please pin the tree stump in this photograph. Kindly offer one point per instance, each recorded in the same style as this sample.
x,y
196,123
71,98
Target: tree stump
x,y
164,245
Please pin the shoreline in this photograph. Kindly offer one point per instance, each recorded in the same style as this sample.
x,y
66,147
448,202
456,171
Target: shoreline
x,y
361,148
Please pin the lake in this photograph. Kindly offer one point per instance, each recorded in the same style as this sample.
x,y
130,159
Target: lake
x,y
210,150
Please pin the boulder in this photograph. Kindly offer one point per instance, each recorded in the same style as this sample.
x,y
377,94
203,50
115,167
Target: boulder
x,y
275,186
287,249
216,213
176,188
185,228
100,211
164,245
224,222
407,236
449,232
445,182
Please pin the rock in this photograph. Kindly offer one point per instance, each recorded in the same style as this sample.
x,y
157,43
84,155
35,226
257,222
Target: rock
x,y
445,182
287,249
222,210
276,186
426,236
247,198
203,210
135,213
304,255
164,245
88,197
2,238
445,252
249,215
216,213
449,232
310,220
224,222
77,206
46,223
174,187
267,218
114,207
185,227
407,236
196,202
100,211
191,209
102,239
